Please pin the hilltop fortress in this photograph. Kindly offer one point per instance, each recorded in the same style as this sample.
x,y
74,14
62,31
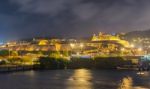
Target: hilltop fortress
x,y
107,37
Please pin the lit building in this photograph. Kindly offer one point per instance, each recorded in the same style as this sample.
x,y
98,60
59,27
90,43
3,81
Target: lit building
x,y
108,37
98,45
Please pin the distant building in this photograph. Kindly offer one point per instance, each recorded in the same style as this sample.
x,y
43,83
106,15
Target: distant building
x,y
98,45
108,37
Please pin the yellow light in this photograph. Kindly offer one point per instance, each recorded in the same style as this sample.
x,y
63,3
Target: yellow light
x,y
81,77
126,83
78,53
72,45
43,42
132,46
140,49
81,45
122,49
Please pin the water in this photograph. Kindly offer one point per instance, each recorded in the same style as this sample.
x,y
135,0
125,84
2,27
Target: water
x,y
75,79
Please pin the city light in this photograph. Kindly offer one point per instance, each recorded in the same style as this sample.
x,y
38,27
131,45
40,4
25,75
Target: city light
x,y
122,49
72,45
75,44
78,53
81,45
132,45
140,49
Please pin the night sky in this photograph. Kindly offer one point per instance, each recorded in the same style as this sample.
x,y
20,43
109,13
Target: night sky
x,y
71,18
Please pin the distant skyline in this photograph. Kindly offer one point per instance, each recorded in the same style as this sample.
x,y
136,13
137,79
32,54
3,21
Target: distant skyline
x,y
71,18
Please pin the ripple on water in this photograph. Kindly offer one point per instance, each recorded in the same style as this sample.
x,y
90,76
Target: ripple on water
x,y
75,79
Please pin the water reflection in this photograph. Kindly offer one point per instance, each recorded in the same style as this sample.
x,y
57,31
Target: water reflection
x,y
75,79
81,79
143,73
126,83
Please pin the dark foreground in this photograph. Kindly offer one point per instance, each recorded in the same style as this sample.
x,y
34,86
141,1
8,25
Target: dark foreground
x,y
75,79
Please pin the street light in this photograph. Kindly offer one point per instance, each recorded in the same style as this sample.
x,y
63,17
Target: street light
x,y
132,45
72,45
140,49
81,45
122,49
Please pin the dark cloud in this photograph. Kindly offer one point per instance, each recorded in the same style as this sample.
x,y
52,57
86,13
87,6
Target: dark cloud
x,y
29,18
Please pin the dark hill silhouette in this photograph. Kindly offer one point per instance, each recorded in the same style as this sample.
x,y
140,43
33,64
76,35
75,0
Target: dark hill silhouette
x,y
135,34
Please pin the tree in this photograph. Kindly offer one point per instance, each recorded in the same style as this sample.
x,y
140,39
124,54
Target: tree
x,y
4,53
14,53
55,54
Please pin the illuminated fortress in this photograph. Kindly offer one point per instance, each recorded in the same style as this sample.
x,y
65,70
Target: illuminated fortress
x,y
107,37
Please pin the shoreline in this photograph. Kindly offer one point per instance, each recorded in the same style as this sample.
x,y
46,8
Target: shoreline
x,y
17,68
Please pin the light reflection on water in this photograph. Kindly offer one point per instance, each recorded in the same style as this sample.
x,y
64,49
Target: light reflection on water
x,y
75,79
126,83
80,80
